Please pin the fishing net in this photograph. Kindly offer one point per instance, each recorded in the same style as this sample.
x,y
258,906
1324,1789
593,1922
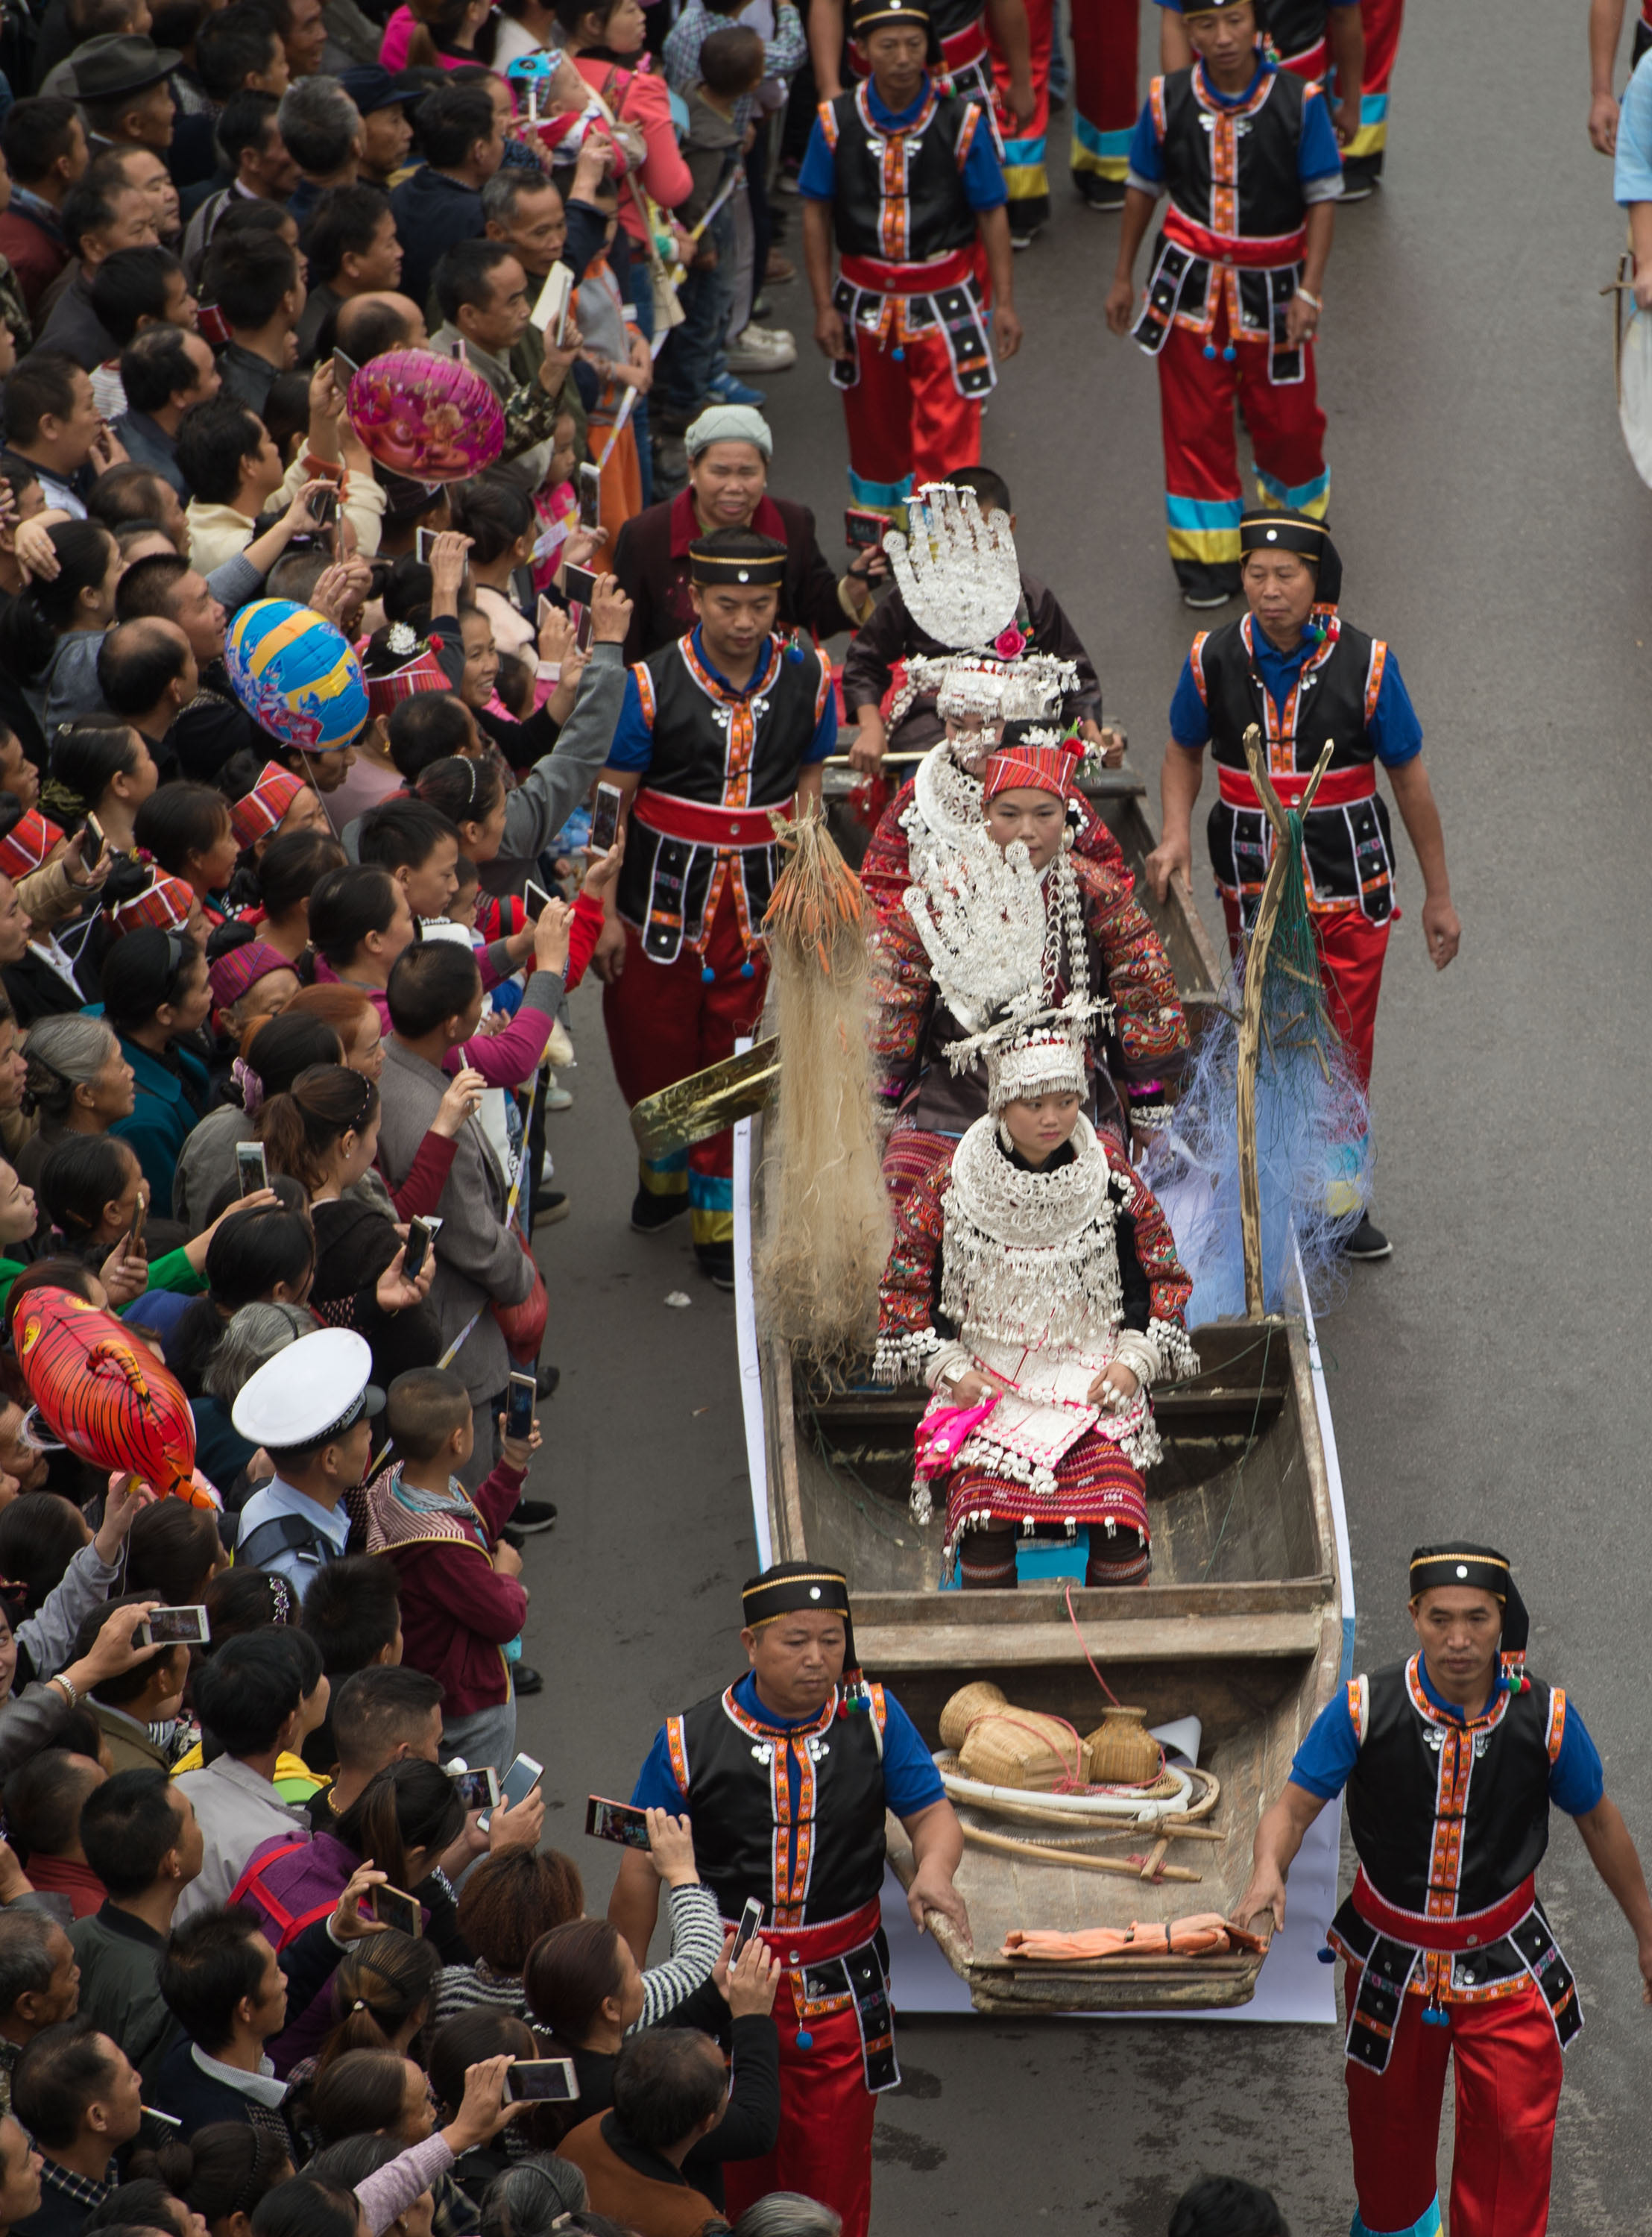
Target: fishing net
x,y
1313,1151
826,1226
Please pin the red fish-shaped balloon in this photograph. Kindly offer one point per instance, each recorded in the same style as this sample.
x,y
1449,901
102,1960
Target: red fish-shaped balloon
x,y
105,1393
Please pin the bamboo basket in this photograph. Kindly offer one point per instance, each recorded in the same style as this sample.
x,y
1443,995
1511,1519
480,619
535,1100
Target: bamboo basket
x,y
968,1703
1122,1750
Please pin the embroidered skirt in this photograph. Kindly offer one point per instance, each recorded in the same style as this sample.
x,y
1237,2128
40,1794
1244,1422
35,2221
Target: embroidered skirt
x,y
1095,1483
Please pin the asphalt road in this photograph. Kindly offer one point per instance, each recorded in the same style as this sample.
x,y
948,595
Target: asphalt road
x,y
1491,1378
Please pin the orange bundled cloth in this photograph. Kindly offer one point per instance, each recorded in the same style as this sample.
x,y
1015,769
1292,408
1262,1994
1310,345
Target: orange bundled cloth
x,y
1204,1934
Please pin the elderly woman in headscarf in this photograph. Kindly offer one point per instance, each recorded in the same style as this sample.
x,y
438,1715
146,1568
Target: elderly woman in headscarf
x,y
729,448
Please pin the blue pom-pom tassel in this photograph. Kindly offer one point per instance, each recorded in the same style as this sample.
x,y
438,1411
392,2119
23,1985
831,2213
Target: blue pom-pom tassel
x,y
794,651
804,2040
900,356
708,976
1325,1955
1433,2016
748,969
1210,349
1229,354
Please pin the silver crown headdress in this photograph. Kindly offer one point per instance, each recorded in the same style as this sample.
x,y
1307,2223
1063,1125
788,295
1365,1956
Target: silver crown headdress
x,y
1044,1055
957,572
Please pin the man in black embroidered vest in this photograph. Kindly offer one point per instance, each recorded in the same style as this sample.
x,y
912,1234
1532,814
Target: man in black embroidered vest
x,y
787,1775
717,732
1295,668
1248,158
1450,1762
904,175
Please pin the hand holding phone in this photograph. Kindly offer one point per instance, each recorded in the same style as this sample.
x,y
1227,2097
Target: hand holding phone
x,y
174,1627
252,1167
517,1785
519,1408
541,2082
605,817
421,1233
622,1823
478,1790
392,1907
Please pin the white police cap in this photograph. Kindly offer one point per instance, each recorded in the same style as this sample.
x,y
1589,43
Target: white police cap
x,y
316,1389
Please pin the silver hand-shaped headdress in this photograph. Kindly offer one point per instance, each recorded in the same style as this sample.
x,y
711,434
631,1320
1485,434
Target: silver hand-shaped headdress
x,y
957,571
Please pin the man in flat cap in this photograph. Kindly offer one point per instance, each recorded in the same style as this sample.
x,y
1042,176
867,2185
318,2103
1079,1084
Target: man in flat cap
x,y
1450,1762
903,176
1248,156
786,1775
718,729
310,1409
1294,667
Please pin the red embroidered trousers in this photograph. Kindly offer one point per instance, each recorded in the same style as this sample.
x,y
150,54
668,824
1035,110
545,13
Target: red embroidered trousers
x,y
1508,2076
1352,952
906,422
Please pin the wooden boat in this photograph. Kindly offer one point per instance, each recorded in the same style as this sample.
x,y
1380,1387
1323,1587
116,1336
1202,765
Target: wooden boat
x,y
1241,1624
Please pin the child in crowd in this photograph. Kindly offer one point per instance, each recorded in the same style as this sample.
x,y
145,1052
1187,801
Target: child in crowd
x,y
731,64
462,1605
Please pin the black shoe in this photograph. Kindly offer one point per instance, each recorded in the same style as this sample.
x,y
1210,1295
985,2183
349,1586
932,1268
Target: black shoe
x,y
549,1206
1367,1240
717,1259
546,1381
649,1213
1361,176
1203,585
1100,193
525,1680
529,1516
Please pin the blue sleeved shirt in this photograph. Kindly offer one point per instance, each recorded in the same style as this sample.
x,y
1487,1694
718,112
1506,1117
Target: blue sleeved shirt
x,y
910,1780
1394,729
983,183
1319,162
1632,166
1327,1756
633,744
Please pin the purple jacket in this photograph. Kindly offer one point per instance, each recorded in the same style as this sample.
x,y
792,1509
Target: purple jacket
x,y
288,1881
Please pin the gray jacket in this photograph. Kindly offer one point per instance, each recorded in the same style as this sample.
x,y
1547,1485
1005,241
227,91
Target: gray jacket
x,y
479,1259
536,810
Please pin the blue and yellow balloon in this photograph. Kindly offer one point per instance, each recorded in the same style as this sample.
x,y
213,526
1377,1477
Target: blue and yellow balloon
x,y
296,675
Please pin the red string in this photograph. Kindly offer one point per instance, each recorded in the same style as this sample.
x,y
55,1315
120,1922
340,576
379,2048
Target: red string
x,y
1088,1657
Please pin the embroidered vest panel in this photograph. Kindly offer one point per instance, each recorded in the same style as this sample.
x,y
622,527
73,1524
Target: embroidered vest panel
x,y
739,1799
899,196
1349,848
741,753
1232,171
1448,1819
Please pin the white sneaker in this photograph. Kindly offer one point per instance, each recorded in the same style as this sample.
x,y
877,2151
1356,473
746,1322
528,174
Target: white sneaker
x,y
558,1099
746,354
779,337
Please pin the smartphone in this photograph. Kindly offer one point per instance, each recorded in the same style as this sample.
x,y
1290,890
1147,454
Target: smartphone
x,y
212,326
517,1785
552,306
92,844
619,1822
252,1167
540,2080
421,1233
519,1407
750,1919
865,531
478,1789
534,900
133,1242
344,370
423,539
590,498
391,1908
605,817
458,351
175,1626
579,588
324,507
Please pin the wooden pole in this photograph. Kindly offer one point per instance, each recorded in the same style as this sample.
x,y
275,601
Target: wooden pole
x,y
1034,1852
1250,1018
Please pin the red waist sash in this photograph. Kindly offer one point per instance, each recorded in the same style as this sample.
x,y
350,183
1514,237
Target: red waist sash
x,y
1259,256
877,277
1337,787
693,821
1473,1929
797,1946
